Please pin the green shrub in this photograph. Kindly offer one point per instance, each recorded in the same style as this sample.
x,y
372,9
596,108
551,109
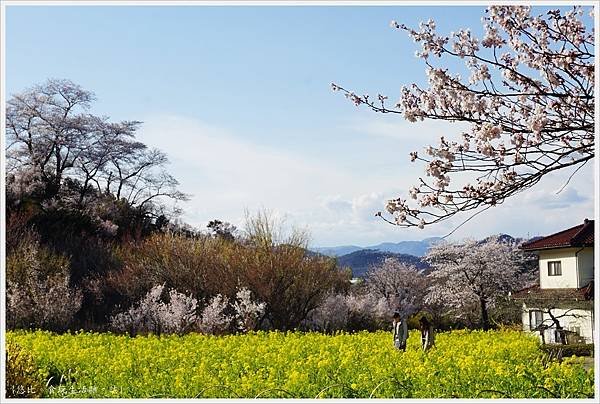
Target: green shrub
x,y
23,379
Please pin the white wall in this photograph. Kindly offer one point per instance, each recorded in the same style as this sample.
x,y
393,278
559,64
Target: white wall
x,y
585,265
575,318
568,279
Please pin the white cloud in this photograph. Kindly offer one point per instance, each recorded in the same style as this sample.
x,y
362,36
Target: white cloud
x,y
227,174
539,210
334,200
416,134
336,204
353,220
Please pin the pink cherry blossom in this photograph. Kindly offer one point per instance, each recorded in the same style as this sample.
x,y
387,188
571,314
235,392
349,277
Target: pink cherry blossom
x,y
529,100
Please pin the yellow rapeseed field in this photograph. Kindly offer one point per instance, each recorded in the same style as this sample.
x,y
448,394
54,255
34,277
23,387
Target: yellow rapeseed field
x,y
302,365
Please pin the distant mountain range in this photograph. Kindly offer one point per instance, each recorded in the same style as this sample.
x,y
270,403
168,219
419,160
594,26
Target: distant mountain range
x,y
416,248
360,261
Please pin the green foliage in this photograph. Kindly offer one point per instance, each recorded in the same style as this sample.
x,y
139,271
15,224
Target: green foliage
x,y
23,378
493,364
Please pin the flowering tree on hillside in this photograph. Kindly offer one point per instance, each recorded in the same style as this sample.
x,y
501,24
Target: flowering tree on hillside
x,y
59,149
474,274
529,101
401,285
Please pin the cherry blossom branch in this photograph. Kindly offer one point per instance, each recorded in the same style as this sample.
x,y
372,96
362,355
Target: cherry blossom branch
x,y
522,126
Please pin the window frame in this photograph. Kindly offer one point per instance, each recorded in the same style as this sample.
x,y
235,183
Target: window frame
x,y
533,314
552,268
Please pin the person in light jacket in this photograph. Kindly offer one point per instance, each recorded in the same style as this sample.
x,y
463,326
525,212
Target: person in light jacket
x,y
427,334
400,331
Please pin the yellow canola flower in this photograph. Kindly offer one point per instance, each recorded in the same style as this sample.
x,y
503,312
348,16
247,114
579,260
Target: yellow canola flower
x,y
463,364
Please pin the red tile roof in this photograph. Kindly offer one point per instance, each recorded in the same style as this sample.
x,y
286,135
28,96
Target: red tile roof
x,y
535,292
579,236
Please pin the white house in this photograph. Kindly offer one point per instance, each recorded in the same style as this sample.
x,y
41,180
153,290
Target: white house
x,y
561,307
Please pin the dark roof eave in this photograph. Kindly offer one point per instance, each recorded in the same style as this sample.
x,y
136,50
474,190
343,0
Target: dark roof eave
x,y
524,248
582,294
576,236
561,299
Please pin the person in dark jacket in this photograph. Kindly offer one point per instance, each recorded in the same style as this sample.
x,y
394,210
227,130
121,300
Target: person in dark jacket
x,y
400,331
427,333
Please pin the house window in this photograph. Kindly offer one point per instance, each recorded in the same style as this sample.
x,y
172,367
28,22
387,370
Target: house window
x,y
536,318
554,268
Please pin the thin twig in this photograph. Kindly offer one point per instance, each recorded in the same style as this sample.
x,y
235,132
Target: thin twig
x,y
471,217
571,176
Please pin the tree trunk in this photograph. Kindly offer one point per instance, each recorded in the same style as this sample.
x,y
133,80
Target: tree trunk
x,y
559,329
485,320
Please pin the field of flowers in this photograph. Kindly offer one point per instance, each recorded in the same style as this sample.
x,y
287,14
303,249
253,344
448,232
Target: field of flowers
x,y
273,364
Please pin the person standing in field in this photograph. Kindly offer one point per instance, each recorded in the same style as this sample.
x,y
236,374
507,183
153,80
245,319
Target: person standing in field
x,y
400,331
427,333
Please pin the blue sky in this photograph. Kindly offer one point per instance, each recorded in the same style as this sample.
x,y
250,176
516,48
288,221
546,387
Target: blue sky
x,y
240,99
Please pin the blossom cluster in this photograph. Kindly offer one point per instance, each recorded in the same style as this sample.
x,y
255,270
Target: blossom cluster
x,y
529,102
179,313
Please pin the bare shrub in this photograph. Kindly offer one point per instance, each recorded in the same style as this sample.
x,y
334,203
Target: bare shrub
x,y
18,230
277,267
38,294
178,262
